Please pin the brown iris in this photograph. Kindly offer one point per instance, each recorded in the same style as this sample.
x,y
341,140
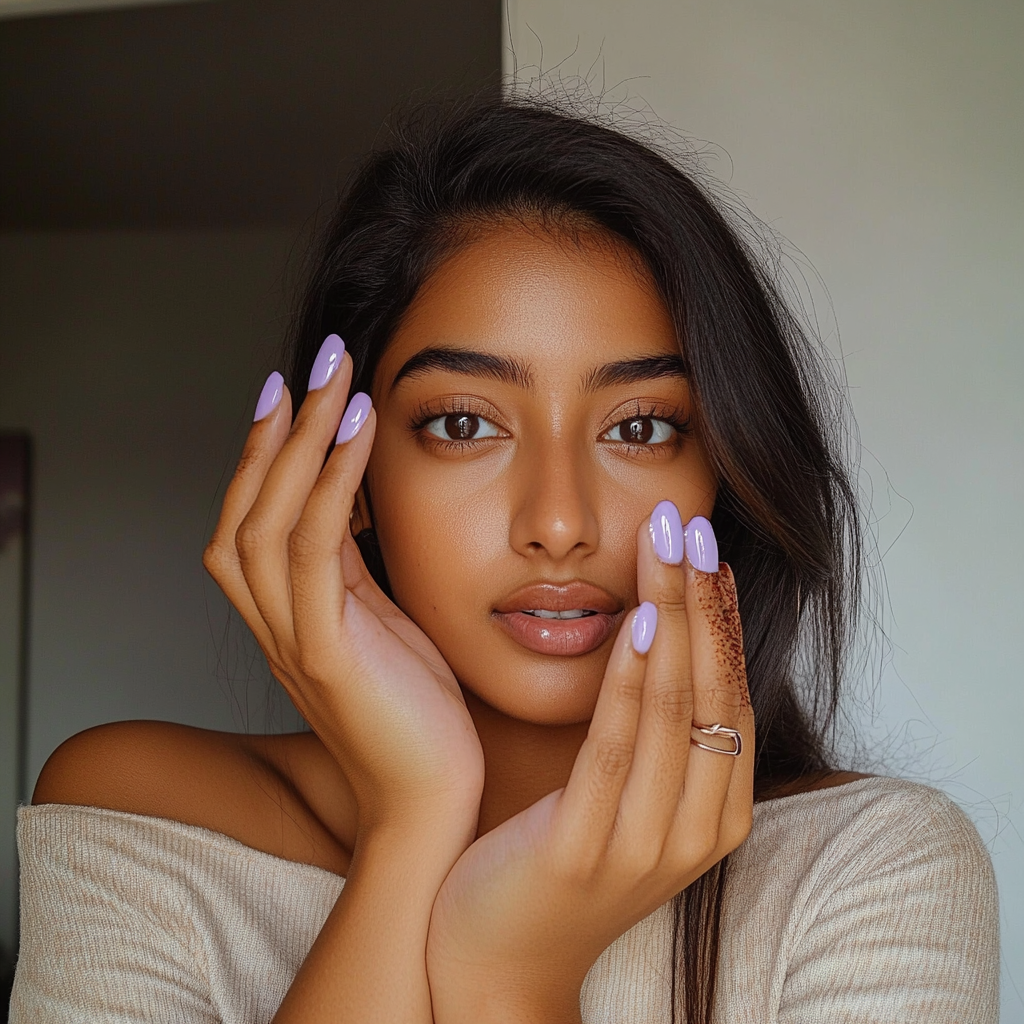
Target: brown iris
x,y
636,431
461,426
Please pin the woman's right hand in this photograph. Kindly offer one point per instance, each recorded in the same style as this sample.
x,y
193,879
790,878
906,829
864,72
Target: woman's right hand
x,y
367,680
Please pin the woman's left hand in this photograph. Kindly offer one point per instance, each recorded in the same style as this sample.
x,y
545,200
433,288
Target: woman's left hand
x,y
529,907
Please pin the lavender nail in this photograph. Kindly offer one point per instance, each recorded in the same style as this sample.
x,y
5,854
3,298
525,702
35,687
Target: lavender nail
x,y
701,546
355,416
667,533
328,359
270,397
645,622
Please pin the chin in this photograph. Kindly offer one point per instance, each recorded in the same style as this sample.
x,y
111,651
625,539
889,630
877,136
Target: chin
x,y
552,695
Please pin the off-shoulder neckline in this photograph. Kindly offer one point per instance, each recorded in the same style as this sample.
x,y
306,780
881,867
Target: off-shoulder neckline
x,y
236,848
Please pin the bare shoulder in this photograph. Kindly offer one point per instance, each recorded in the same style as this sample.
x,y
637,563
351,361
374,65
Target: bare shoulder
x,y
283,795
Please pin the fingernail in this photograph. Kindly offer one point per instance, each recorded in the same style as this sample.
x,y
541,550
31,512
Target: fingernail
x,y
667,533
270,397
645,622
328,359
354,418
701,546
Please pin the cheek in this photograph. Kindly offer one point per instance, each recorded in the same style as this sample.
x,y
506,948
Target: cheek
x,y
630,493
439,533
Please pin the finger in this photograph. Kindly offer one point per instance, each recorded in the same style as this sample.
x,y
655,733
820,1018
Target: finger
x,y
262,537
719,696
651,794
316,544
740,797
592,794
265,439
358,579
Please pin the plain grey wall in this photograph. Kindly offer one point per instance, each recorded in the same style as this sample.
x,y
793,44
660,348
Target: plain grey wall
x,y
136,361
885,141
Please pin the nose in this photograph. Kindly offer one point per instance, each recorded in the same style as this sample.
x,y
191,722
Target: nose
x,y
553,515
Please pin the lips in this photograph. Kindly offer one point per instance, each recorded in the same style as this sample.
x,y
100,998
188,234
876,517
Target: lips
x,y
565,637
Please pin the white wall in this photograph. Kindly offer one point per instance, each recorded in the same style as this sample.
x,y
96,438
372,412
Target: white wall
x,y
885,141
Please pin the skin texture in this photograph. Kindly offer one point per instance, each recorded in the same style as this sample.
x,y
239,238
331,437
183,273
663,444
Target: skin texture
x,y
519,810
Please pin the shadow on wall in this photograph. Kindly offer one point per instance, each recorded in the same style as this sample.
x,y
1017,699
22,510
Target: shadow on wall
x,y
15,462
225,113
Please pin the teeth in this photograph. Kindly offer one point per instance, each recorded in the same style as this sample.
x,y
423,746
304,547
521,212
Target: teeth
x,y
544,613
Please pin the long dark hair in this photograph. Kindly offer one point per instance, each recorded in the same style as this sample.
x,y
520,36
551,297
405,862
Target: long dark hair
x,y
786,513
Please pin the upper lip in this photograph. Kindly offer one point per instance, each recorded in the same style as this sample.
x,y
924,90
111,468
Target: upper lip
x,y
560,597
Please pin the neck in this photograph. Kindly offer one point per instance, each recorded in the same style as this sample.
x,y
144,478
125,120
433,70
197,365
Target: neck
x,y
523,761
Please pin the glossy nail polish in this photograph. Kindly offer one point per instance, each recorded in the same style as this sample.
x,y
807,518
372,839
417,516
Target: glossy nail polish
x,y
645,622
327,361
667,533
701,546
270,397
354,418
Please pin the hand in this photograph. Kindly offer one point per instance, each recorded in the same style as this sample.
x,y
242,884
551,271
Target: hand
x,y
528,908
370,684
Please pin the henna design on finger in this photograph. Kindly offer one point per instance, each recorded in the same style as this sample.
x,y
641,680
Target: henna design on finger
x,y
729,631
716,599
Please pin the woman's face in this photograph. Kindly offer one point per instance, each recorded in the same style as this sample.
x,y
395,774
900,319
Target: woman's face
x,y
532,410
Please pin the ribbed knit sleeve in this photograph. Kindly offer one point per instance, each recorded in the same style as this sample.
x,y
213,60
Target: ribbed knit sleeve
x,y
904,926
134,920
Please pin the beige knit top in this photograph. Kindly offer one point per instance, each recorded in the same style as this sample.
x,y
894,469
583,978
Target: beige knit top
x,y
867,903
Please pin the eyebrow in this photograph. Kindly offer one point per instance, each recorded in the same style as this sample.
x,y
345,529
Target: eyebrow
x,y
467,362
632,371
519,374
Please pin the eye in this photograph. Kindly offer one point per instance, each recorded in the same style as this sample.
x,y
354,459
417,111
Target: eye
x,y
641,430
461,426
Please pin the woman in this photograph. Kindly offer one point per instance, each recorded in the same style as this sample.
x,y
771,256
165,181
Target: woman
x,y
532,790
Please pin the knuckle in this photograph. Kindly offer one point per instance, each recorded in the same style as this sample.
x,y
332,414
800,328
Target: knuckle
x,y
216,559
673,706
643,858
613,756
671,604
702,844
631,688
572,859
250,538
727,697
302,544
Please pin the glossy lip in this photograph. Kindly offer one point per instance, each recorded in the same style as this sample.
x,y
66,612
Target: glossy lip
x,y
559,637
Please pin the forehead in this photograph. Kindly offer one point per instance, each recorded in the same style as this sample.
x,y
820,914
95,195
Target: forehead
x,y
560,301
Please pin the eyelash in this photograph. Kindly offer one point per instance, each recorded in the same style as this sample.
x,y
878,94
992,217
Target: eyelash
x,y
673,417
426,414
453,407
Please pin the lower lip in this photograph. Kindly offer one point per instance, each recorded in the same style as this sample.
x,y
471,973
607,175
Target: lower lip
x,y
562,637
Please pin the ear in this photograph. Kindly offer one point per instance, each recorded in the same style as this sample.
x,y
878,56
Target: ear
x,y
359,519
